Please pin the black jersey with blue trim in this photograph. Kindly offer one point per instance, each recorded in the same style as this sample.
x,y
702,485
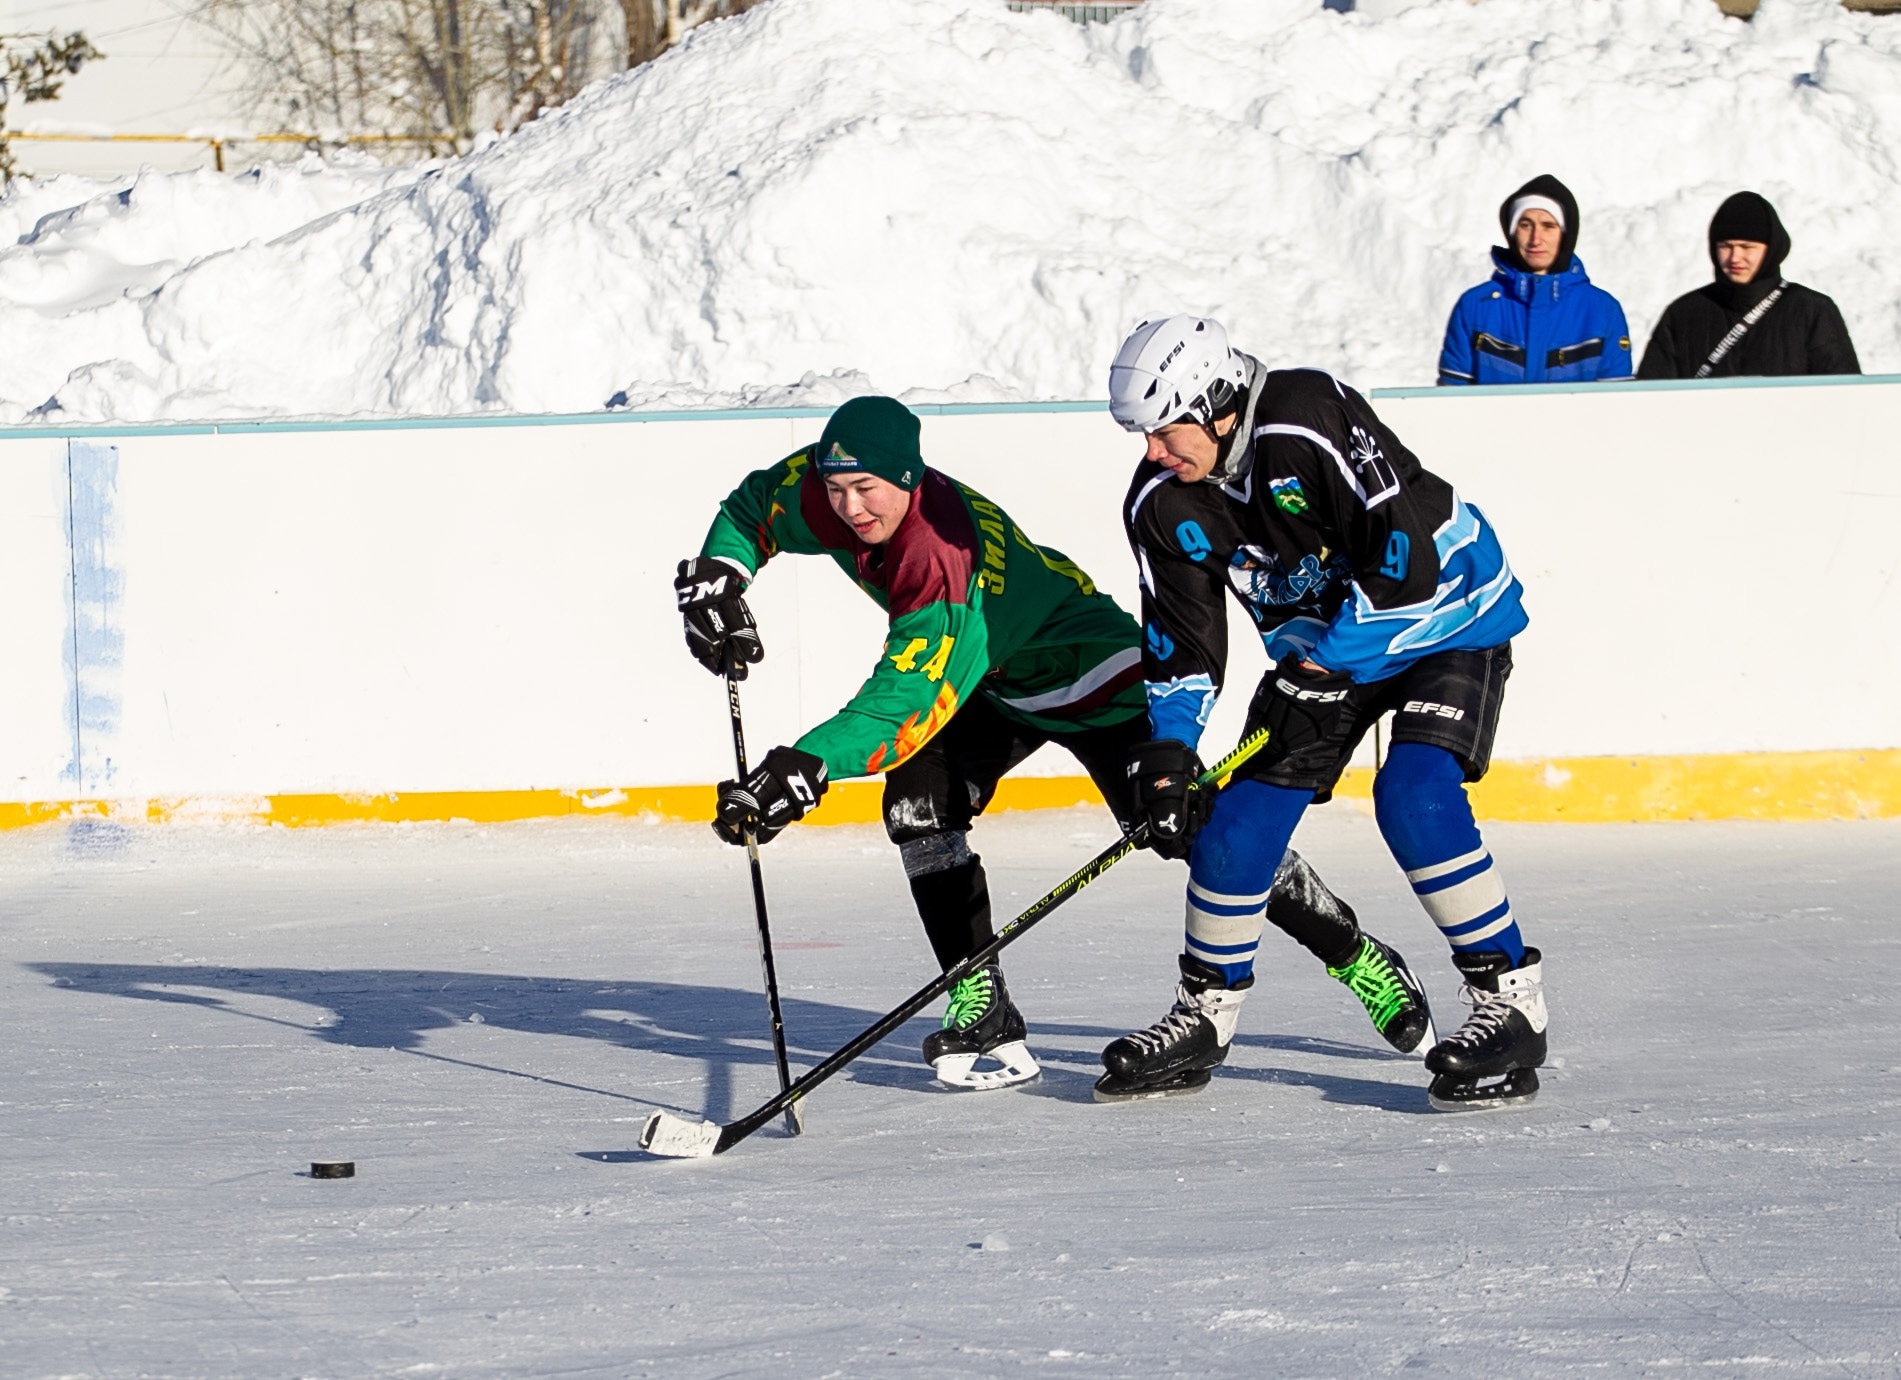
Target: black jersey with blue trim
x,y
1340,545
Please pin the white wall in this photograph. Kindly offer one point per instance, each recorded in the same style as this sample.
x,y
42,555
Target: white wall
x,y
464,607
1707,569
36,744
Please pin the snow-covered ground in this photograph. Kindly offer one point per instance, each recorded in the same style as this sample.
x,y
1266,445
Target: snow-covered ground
x,y
947,200
480,1018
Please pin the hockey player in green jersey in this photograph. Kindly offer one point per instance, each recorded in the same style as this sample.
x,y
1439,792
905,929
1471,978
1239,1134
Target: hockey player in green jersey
x,y
995,646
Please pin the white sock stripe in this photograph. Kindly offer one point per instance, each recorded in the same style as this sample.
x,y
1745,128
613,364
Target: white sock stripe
x,y
1217,898
1243,952
1224,931
1426,874
1466,902
1466,941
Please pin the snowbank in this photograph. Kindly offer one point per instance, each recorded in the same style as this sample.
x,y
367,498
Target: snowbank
x,y
947,200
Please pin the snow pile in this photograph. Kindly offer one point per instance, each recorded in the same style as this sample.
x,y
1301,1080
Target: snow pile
x,y
944,199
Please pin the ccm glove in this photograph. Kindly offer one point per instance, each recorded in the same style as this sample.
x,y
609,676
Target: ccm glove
x,y
719,628
1165,796
780,790
1300,706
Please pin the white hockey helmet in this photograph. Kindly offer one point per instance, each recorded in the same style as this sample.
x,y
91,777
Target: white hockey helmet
x,y
1177,368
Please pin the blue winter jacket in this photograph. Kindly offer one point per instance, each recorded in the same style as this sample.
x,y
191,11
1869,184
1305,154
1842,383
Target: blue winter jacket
x,y
1535,328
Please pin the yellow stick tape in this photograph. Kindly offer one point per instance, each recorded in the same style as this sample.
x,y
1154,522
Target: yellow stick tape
x,y
1580,790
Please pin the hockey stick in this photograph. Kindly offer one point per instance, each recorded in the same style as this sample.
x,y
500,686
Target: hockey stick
x,y
676,1137
794,1113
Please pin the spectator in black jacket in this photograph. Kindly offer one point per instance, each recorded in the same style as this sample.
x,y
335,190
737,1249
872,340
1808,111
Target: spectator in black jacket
x,y
1751,320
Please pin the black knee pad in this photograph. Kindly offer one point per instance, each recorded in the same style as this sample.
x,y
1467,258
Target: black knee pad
x,y
929,853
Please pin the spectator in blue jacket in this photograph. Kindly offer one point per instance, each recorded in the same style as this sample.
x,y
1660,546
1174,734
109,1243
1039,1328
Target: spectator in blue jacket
x,y
1539,319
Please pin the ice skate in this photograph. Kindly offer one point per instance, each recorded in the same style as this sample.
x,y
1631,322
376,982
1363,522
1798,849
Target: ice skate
x,y
1392,996
980,1022
1492,1060
1179,1053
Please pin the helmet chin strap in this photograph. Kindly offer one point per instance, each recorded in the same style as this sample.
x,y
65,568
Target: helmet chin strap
x,y
1224,447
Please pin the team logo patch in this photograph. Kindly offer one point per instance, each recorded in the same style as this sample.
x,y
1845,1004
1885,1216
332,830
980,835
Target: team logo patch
x,y
1258,576
838,459
1378,478
1289,497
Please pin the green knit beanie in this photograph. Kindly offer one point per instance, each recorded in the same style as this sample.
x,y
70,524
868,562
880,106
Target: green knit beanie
x,y
876,436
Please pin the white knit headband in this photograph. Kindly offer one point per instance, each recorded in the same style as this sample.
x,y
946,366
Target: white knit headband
x,y
1534,203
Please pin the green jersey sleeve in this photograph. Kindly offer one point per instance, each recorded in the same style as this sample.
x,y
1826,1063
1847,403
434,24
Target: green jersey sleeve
x,y
933,659
762,517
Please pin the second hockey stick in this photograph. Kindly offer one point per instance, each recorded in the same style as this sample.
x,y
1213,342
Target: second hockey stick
x,y
794,1113
678,1138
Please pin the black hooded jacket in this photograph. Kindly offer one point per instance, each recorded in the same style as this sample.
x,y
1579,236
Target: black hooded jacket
x,y
1803,333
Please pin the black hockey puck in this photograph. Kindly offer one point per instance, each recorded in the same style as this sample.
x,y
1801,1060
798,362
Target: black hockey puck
x,y
333,1169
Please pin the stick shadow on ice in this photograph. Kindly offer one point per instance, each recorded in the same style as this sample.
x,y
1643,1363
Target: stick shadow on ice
x,y
397,1009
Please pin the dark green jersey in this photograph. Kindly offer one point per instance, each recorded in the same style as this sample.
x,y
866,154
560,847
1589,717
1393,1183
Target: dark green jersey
x,y
975,607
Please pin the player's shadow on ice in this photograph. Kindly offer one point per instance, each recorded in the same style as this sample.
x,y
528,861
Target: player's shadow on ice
x,y
1070,1074
721,1030
1070,1069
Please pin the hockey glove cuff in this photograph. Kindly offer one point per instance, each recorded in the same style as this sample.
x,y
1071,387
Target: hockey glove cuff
x,y
780,790
1300,706
1165,796
720,631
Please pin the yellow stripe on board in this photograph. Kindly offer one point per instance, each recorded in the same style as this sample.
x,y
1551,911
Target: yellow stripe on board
x,y
1787,786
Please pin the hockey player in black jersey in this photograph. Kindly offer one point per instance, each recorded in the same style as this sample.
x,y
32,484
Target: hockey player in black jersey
x,y
1376,589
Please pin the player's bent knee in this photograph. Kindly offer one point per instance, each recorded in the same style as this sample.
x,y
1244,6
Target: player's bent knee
x,y
1248,831
1419,791
940,852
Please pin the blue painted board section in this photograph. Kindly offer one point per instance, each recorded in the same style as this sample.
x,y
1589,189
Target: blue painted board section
x,y
95,638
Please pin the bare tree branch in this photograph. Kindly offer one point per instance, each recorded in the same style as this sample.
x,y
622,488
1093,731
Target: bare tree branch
x,y
436,73
37,66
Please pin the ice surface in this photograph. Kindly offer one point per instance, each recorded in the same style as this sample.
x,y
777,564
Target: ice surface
x,y
192,1015
950,201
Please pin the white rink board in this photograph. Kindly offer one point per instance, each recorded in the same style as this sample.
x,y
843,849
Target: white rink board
x,y
1707,570
36,743
480,606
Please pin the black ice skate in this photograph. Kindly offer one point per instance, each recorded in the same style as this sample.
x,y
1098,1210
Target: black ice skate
x,y
980,1021
1392,996
1503,1038
1179,1053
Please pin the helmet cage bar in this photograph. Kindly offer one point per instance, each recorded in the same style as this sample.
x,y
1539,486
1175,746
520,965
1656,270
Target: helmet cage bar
x,y
1215,403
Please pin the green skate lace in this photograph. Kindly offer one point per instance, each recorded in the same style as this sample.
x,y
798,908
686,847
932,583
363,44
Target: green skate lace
x,y
1372,979
969,999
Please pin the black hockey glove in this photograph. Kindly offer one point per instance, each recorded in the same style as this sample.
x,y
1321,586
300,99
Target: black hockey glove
x,y
1299,706
1165,796
719,628
780,790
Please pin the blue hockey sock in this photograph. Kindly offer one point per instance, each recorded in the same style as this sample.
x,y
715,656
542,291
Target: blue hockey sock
x,y
1231,871
1419,800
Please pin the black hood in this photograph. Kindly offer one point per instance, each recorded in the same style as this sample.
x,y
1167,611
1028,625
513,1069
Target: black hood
x,y
1748,216
1544,185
